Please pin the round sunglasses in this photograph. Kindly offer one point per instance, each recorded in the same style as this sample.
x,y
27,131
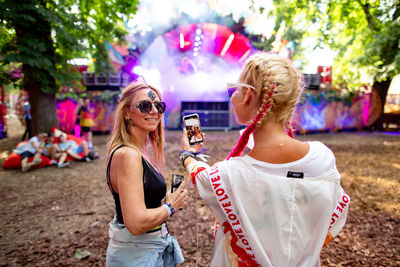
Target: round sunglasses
x,y
145,106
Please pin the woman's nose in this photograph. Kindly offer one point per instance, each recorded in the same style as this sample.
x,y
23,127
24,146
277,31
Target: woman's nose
x,y
153,108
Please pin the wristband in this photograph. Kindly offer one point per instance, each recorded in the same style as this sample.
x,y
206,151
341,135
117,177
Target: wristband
x,y
168,210
184,154
172,210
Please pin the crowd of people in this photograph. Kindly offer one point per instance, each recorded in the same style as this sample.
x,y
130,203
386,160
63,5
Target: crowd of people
x,y
43,144
61,152
276,206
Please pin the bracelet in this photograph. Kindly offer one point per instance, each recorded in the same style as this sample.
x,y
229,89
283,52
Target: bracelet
x,y
168,210
184,154
171,209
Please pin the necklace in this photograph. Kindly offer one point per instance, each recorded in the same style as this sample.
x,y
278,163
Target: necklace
x,y
280,145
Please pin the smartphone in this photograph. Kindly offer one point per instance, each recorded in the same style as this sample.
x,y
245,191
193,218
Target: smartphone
x,y
176,181
192,125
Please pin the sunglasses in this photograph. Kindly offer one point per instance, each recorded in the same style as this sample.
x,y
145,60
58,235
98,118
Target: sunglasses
x,y
231,87
145,106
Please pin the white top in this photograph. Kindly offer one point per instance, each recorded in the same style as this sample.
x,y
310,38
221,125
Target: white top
x,y
69,144
28,147
285,219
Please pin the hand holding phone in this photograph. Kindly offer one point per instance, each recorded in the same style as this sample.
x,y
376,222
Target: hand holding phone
x,y
192,125
176,181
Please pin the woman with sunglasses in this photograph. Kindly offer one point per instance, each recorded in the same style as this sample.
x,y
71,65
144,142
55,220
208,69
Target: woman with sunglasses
x,y
282,202
138,233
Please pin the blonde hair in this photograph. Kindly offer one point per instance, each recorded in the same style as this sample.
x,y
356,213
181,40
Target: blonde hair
x,y
120,133
278,89
263,70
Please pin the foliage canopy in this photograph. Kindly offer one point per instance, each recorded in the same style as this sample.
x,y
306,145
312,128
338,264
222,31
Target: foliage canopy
x,y
77,28
42,35
365,33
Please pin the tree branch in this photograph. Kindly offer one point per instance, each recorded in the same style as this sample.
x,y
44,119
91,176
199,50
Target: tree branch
x,y
368,16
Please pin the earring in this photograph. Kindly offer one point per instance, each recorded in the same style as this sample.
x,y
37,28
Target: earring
x,y
129,121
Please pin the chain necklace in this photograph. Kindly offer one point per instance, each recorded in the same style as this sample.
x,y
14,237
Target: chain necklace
x,y
270,146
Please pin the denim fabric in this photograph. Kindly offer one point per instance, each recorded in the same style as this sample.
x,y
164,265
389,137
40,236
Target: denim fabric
x,y
72,145
148,250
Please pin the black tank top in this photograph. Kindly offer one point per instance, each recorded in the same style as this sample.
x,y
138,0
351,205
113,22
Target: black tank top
x,y
154,187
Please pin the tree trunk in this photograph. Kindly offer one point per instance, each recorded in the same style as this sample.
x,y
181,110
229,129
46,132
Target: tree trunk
x,y
38,79
382,88
43,105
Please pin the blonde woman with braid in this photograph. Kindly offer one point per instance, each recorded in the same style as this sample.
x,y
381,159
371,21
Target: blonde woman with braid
x,y
138,233
282,202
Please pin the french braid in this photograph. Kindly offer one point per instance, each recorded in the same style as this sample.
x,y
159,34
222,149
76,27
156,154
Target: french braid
x,y
279,88
289,129
244,138
296,87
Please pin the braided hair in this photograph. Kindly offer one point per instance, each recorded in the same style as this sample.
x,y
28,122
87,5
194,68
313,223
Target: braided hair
x,y
278,88
244,138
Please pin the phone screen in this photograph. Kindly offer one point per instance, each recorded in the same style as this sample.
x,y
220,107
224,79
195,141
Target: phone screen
x,y
192,124
176,181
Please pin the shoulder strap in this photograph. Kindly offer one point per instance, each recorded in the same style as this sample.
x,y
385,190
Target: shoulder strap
x,y
109,169
147,165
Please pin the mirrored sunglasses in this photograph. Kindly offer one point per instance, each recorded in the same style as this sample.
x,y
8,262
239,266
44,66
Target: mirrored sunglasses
x,y
145,106
231,87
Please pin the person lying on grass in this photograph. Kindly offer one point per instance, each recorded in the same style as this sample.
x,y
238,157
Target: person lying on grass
x,y
33,148
50,149
72,149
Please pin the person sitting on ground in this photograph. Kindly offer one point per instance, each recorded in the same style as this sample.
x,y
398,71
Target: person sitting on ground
x,y
33,148
50,149
72,149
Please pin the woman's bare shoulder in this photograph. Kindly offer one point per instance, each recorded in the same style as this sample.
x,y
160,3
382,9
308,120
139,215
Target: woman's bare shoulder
x,y
127,154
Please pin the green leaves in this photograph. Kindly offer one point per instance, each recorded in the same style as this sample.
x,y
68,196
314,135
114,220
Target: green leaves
x,y
110,97
365,33
367,37
45,34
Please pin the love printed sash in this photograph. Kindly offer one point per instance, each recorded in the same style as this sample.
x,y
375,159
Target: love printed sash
x,y
224,202
341,205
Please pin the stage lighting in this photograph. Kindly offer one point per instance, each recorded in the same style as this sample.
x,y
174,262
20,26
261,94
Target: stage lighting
x,y
181,40
138,70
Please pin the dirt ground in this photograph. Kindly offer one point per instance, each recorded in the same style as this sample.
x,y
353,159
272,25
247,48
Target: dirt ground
x,y
48,214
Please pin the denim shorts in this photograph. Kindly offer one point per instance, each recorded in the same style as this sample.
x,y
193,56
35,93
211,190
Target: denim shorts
x,y
26,154
78,150
147,250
